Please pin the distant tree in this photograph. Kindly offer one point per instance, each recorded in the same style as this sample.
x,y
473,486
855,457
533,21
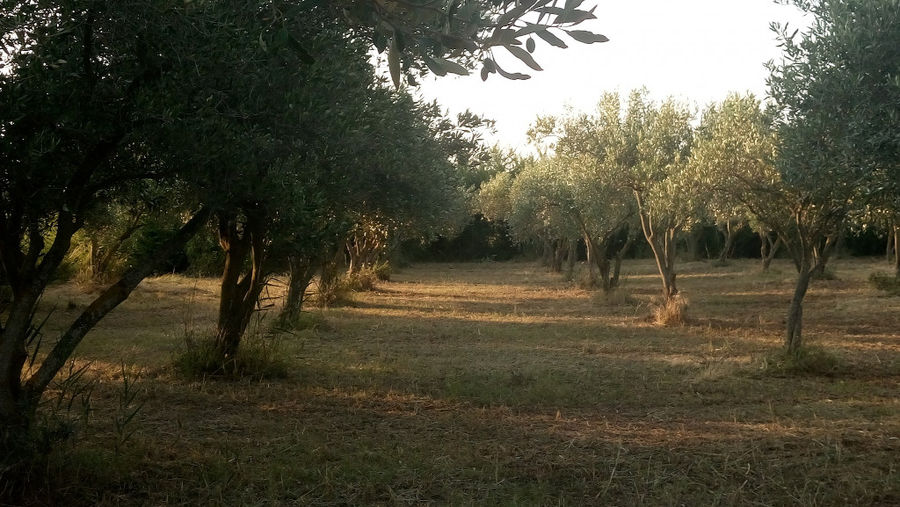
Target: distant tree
x,y
651,154
540,209
601,206
733,154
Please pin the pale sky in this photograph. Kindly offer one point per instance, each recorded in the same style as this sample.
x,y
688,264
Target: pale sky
x,y
696,50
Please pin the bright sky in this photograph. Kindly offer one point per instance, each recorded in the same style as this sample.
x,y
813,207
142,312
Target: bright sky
x,y
696,50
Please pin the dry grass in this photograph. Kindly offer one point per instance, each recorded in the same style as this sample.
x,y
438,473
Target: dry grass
x,y
671,311
502,384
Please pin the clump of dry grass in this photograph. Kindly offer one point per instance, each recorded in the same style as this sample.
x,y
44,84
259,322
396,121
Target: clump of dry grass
x,y
671,312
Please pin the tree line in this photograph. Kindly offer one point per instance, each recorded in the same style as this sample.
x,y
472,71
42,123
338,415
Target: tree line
x,y
820,156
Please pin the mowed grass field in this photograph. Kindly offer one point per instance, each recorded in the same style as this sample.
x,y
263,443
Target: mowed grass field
x,y
499,384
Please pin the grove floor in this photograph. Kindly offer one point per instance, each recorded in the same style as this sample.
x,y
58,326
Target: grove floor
x,y
498,384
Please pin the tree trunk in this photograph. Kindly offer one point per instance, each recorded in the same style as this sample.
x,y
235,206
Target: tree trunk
x,y
889,245
693,243
770,248
94,258
591,255
729,232
300,276
559,253
663,248
620,254
571,257
767,249
821,254
546,252
239,291
329,273
15,411
793,339
897,250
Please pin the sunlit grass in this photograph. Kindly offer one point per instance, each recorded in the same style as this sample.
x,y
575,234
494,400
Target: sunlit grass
x,y
503,384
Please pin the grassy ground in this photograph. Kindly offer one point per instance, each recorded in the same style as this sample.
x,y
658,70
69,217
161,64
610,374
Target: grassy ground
x,y
498,383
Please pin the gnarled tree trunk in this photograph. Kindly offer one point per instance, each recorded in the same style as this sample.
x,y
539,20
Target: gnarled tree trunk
x,y
240,290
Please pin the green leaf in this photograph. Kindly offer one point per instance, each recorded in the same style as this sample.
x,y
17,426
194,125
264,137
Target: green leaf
x,y
529,45
452,67
574,17
514,13
454,42
529,28
523,55
586,37
484,73
394,62
551,39
502,37
435,67
559,11
573,4
515,76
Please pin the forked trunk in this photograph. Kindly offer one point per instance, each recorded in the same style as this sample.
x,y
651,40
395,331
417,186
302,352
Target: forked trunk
x,y
821,255
729,232
767,250
239,291
663,249
620,254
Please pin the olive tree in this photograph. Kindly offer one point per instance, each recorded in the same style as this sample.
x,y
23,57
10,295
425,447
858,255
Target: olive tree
x,y
734,157
836,100
85,87
646,149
